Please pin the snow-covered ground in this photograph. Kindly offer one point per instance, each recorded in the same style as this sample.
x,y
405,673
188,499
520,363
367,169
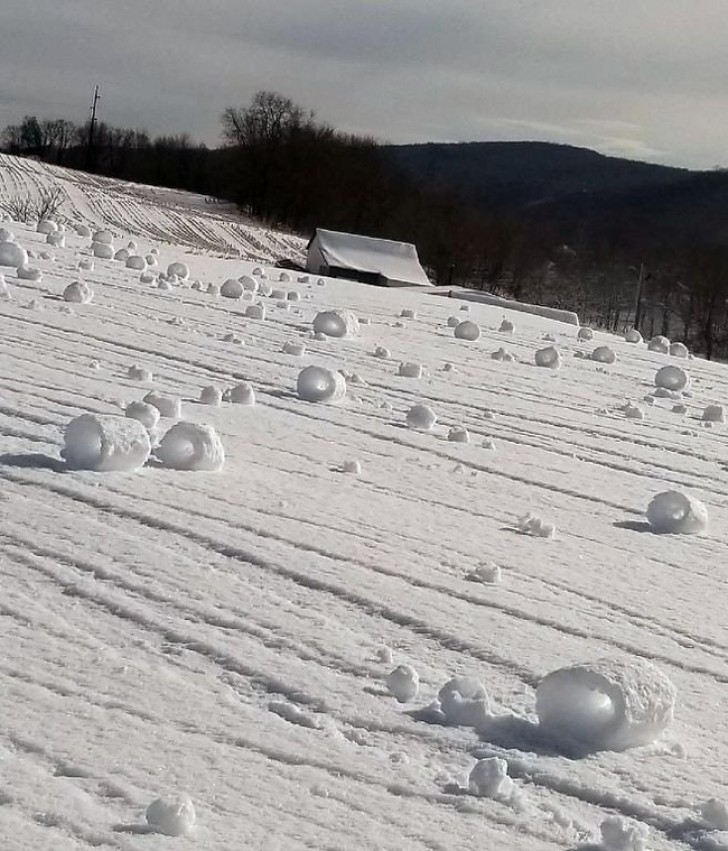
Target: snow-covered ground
x,y
232,635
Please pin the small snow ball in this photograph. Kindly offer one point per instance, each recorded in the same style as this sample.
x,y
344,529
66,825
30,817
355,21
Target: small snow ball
x,y
155,251
6,235
147,278
56,239
264,289
178,269
604,354
255,311
103,237
549,357
458,434
715,813
530,524
136,262
189,446
249,284
102,250
673,512
292,347
672,378
659,344
78,292
465,308
46,255
242,394
410,370
293,295
633,412
404,683
633,336
29,273
679,350
168,406
86,264
421,418
336,323
453,321
145,413
489,779
464,702
488,573
105,443
139,373
211,395
408,313
619,834
131,245
382,352
467,330
714,414
122,254
151,260
503,355
12,254
284,278
585,334
318,384
507,327
213,289
679,409
611,704
351,466
232,289
46,226
172,818
164,284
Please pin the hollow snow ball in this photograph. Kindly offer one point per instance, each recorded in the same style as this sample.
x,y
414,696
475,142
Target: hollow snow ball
x,y
585,334
189,446
172,818
421,418
507,327
29,273
714,414
336,323
464,702
489,779
677,513
404,683
105,443
242,394
145,413
467,330
679,350
410,370
659,344
549,357
292,347
458,434
611,704
211,395
102,250
604,354
136,262
672,378
139,373
122,254
232,289
12,254
255,311
318,384
78,292
168,406
104,237
178,269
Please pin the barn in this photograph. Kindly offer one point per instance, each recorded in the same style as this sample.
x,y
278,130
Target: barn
x,y
381,262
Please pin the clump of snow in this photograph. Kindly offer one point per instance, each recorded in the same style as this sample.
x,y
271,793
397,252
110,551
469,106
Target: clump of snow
x,y
179,269
145,413
619,834
102,250
679,350
168,406
382,352
549,357
242,394
507,327
453,321
213,289
633,412
465,308
318,384
211,395
139,373
659,344
610,704
29,273
404,683
232,338
677,513
672,378
604,354
336,323
489,779
172,817
284,278
529,524
410,370
679,409
255,311
147,278
384,654
408,313
421,418
12,254
293,295
714,414
458,434
189,446
488,573
293,347
585,334
467,330
502,355
105,443
78,292
488,443
232,289
464,702
351,466
103,237
86,264
715,812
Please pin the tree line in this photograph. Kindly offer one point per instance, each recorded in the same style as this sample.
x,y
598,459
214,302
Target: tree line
x,y
283,166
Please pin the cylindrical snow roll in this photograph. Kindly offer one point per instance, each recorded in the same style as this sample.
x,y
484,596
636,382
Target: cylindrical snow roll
x,y
318,384
677,513
106,443
610,704
188,446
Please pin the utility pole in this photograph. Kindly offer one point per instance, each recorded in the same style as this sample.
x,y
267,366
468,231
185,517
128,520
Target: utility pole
x,y
638,297
91,128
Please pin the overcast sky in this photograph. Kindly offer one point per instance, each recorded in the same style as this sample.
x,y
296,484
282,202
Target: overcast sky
x,y
647,79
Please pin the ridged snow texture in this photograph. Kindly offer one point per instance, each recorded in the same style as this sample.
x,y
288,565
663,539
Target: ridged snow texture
x,y
672,512
106,443
610,704
318,384
336,323
188,446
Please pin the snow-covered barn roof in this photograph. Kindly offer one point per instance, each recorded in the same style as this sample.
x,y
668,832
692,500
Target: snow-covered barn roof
x,y
396,261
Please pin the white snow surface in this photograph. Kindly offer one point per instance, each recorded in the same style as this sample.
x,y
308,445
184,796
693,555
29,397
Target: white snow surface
x,y
165,633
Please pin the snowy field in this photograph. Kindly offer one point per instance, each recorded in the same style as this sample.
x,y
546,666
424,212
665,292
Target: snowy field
x,y
229,635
